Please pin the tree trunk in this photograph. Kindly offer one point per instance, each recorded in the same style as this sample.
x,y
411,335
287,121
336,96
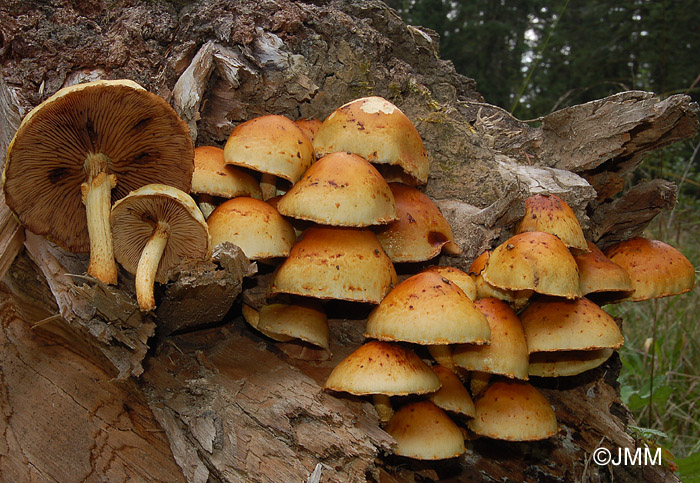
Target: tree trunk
x,y
92,389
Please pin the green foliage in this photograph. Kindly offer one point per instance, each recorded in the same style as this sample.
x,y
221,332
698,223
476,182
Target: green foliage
x,y
689,468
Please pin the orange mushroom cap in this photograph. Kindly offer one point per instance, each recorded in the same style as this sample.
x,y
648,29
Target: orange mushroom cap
x,y
506,354
270,144
378,131
423,431
513,411
536,261
378,367
420,233
253,225
554,324
551,214
340,189
598,274
656,268
336,263
427,309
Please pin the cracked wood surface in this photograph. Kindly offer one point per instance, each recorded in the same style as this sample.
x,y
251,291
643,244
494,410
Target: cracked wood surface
x,y
236,410
65,419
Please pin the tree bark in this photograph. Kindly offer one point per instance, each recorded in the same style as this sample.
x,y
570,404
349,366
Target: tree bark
x,y
86,374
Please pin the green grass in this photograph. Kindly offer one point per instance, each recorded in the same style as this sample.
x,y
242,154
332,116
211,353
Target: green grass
x,y
660,378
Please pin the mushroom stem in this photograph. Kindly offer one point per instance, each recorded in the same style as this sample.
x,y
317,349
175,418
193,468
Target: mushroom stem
x,y
206,203
382,404
442,355
268,186
148,266
97,198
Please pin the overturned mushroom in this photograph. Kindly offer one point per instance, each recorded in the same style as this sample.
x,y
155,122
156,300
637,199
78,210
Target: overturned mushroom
x,y
91,144
154,229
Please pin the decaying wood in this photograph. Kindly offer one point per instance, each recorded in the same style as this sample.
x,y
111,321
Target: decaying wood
x,y
202,292
232,405
103,318
11,236
252,416
63,418
626,217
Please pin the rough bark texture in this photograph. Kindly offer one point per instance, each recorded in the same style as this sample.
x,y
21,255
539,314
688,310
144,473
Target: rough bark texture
x,y
226,404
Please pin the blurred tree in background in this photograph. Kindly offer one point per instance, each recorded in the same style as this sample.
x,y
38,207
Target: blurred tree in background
x,y
551,54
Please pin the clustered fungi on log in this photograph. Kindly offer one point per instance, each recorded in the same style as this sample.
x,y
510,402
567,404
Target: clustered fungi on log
x,y
232,406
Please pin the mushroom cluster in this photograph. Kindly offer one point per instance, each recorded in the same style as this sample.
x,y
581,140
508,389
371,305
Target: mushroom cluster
x,y
331,209
522,311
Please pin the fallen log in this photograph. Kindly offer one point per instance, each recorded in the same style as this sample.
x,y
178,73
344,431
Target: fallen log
x,y
225,403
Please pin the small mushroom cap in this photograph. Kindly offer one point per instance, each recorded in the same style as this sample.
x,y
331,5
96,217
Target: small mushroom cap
x,y
551,214
382,368
255,226
598,274
553,324
309,127
420,233
141,135
378,131
513,411
485,289
336,263
135,216
212,176
656,268
460,278
424,431
303,320
252,316
340,189
270,144
452,395
534,261
507,353
566,363
428,309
